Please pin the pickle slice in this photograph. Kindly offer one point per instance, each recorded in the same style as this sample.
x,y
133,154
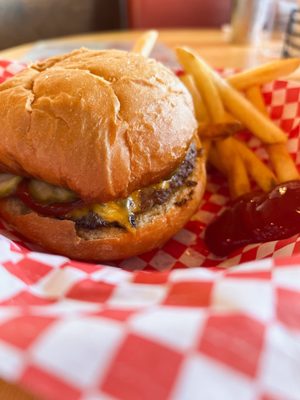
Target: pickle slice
x,y
47,193
8,184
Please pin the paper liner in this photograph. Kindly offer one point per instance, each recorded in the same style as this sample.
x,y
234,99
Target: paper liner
x,y
71,330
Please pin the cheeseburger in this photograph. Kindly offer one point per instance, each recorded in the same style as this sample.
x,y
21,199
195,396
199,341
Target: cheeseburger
x,y
99,155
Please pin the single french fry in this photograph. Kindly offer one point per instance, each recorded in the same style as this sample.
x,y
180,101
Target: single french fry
x,y
235,102
215,160
206,87
145,43
206,146
217,131
221,130
283,164
200,109
265,73
281,161
255,97
239,183
230,118
238,180
231,160
260,173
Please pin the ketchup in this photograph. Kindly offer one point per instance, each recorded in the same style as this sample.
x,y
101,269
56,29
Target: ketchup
x,y
256,217
52,210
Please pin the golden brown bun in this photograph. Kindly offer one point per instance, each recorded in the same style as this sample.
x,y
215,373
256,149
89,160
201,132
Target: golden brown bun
x,y
101,123
154,227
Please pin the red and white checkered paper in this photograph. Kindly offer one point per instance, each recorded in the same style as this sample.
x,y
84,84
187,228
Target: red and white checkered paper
x,y
158,329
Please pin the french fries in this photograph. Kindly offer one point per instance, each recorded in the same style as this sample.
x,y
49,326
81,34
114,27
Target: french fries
x,y
259,172
145,43
206,146
223,156
235,102
208,90
200,109
231,161
265,73
238,180
216,161
228,127
281,161
243,110
229,110
214,121
254,95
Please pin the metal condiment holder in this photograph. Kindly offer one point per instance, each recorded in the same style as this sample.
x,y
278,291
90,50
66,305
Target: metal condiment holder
x,y
291,46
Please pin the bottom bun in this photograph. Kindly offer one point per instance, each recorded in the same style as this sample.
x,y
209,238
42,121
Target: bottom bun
x,y
154,227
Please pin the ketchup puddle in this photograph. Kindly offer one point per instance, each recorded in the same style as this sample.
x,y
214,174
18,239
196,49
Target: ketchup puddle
x,y
256,217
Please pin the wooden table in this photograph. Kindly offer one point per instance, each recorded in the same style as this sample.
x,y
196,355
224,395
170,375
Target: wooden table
x,y
211,44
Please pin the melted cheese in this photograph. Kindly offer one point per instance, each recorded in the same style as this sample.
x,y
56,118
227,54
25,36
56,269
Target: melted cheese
x,y
118,211
113,211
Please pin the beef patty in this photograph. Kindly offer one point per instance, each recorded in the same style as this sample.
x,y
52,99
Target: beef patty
x,y
151,196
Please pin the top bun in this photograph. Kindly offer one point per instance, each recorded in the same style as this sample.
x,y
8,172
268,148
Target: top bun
x,y
101,123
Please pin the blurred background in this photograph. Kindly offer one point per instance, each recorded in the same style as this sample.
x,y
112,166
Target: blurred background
x,y
24,21
271,25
